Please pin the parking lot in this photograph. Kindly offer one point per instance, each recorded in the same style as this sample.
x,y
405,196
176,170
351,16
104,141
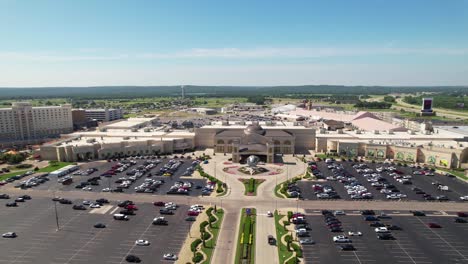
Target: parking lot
x,y
417,187
78,241
110,182
415,243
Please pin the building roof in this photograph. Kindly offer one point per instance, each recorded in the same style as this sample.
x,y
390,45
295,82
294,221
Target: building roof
x,y
371,124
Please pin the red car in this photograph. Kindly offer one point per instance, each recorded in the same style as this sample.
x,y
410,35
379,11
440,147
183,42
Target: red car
x,y
131,207
192,213
298,215
462,214
159,203
434,225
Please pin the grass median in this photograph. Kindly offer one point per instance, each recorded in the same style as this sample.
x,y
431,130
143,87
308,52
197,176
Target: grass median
x,y
245,252
214,229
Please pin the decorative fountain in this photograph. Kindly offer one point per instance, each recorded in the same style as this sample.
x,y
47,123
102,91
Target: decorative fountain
x,y
252,167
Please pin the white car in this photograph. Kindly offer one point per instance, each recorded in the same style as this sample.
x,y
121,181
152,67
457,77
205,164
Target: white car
x,y
341,239
464,198
170,256
354,233
87,188
9,235
141,242
339,213
381,230
95,205
170,204
106,190
85,202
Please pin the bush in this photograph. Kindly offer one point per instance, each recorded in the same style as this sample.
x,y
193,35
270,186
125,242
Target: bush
x,y
290,215
197,258
209,211
206,236
219,189
24,166
195,244
212,219
203,224
298,250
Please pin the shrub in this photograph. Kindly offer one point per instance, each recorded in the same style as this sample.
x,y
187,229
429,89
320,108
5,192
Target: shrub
x,y
24,166
290,215
219,189
206,236
194,245
209,211
197,258
298,250
203,224
212,219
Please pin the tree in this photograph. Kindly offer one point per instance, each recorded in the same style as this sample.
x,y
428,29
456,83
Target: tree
x,y
389,99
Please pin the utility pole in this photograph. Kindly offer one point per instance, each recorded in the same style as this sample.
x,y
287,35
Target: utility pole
x,y
56,215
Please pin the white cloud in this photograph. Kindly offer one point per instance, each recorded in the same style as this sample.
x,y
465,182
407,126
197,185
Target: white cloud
x,y
231,54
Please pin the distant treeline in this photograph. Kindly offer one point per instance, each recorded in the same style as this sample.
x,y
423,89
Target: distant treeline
x,y
105,92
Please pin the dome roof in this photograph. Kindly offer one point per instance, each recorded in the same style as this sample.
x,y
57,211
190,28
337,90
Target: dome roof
x,y
254,129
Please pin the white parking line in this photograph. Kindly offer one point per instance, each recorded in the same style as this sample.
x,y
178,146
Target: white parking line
x,y
441,238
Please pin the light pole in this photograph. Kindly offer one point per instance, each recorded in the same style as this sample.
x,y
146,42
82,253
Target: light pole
x,y
56,214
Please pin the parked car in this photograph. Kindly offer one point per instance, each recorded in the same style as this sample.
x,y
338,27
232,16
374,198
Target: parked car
x,y
9,235
170,256
142,242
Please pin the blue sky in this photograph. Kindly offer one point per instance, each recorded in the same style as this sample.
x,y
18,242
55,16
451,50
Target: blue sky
x,y
368,42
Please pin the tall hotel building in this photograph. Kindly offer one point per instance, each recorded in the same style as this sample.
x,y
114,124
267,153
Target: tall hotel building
x,y
22,122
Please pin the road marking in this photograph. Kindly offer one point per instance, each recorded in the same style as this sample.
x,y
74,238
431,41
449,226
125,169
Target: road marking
x,y
113,211
102,210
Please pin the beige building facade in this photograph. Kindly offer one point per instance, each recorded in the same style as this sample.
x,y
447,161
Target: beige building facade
x,y
24,122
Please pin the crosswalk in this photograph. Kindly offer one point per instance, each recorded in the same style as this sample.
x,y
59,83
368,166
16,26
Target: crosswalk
x,y
102,210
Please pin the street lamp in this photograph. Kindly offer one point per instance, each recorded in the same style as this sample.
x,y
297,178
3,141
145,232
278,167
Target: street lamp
x,y
56,213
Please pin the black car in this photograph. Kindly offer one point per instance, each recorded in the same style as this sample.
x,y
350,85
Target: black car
x,y
385,236
65,201
367,212
347,247
4,196
393,227
376,224
102,201
132,259
418,213
12,204
79,207
99,225
460,220
336,230
26,197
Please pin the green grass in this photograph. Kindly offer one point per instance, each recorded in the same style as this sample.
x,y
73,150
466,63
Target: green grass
x,y
248,188
55,166
240,246
210,245
283,252
11,174
50,168
459,174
